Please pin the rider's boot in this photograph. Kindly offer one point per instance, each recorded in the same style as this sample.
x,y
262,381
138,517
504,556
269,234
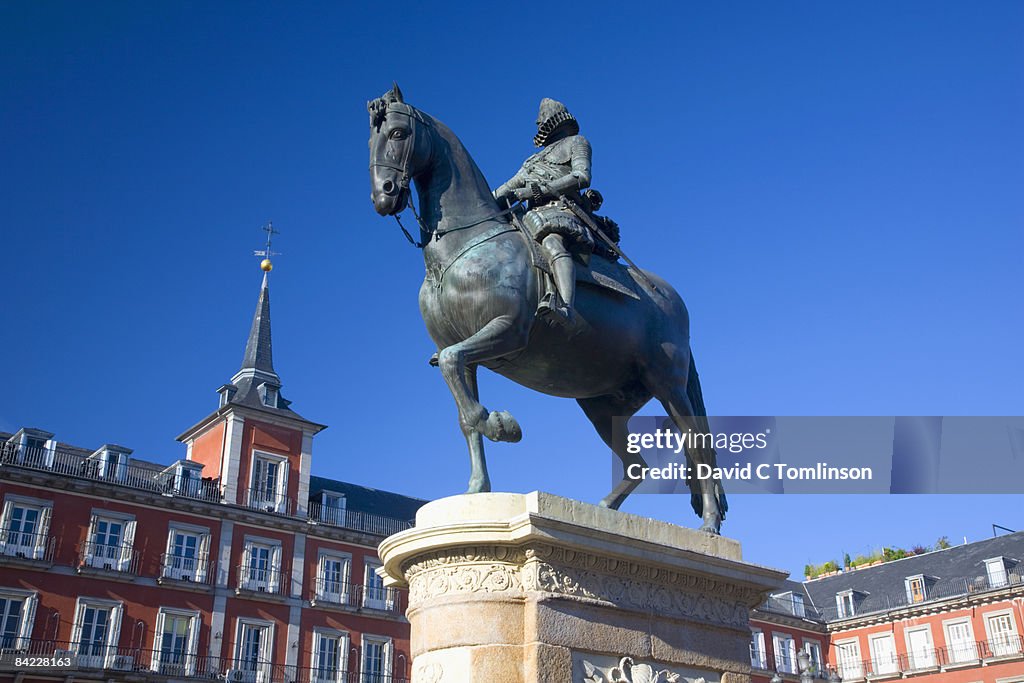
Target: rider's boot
x,y
564,274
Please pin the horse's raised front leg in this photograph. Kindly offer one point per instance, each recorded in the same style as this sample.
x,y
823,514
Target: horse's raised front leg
x,y
501,336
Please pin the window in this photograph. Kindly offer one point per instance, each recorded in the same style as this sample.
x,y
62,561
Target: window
x,y
110,463
920,653
845,605
915,589
848,659
95,635
110,542
36,451
1002,634
813,650
758,656
332,508
252,652
785,652
960,644
175,642
883,654
268,394
24,526
375,595
269,482
261,567
376,660
996,570
798,605
330,653
332,578
187,553
17,614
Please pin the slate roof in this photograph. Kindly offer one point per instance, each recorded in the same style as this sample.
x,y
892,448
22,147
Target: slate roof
x,y
364,499
947,572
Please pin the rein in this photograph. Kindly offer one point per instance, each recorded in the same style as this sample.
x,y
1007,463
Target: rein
x,y
438,234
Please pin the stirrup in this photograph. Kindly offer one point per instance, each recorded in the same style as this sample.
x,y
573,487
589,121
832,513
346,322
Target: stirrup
x,y
553,309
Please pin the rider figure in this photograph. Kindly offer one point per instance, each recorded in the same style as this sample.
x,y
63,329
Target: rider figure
x,y
555,175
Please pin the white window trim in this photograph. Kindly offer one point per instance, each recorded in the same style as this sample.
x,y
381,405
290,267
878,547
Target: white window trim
x,y
344,646
988,616
388,653
127,537
790,652
971,644
28,615
841,608
369,565
42,532
857,659
931,646
346,579
192,651
114,628
1003,569
266,647
910,594
202,550
281,494
757,644
275,568
894,664
338,513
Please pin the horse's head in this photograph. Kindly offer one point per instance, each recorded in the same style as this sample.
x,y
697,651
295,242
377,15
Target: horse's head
x,y
400,145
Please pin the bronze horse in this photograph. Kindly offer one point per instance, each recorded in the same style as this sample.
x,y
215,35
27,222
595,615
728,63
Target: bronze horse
x,y
480,295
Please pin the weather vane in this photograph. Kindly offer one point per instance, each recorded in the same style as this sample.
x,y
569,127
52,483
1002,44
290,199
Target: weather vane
x,y
266,265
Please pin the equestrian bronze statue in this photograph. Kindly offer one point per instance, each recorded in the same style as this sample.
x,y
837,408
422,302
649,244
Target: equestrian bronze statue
x,y
628,339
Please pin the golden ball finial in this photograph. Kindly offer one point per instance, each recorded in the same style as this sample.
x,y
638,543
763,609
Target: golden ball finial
x,y
266,266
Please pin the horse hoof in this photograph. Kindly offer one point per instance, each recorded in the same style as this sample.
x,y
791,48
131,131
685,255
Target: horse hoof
x,y
501,426
479,486
713,528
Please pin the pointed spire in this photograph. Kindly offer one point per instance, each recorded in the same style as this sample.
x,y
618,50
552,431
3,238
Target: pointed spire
x,y
259,349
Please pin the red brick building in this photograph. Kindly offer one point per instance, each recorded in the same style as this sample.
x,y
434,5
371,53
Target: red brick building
x,y
948,616
233,563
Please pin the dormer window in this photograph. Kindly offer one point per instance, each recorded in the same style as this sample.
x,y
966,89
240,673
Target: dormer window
x,y
268,395
917,591
227,394
33,448
332,508
996,570
111,462
845,604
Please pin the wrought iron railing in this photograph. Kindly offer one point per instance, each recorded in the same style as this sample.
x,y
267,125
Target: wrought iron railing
x,y
15,543
790,606
355,596
260,499
120,558
196,569
357,521
262,579
121,471
62,658
952,587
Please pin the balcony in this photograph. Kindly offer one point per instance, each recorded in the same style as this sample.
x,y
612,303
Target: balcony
x,y
266,501
366,522
66,463
328,593
262,581
175,663
108,559
186,571
25,548
789,607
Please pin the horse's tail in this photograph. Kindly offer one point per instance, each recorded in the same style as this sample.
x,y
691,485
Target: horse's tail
x,y
696,397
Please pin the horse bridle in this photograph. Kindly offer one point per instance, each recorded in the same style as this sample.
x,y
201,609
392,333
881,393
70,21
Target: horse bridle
x,y
402,167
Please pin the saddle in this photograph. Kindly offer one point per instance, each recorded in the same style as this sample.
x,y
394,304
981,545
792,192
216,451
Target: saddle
x,y
601,270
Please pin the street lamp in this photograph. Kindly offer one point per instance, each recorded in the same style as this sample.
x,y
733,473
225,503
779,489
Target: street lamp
x,y
803,663
834,677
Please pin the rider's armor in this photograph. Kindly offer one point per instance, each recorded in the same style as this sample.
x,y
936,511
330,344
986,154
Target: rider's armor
x,y
556,174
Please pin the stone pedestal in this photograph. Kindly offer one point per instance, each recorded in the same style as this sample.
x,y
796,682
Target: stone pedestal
x,y
512,588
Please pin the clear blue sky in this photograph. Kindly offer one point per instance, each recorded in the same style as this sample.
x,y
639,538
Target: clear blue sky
x,y
834,188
